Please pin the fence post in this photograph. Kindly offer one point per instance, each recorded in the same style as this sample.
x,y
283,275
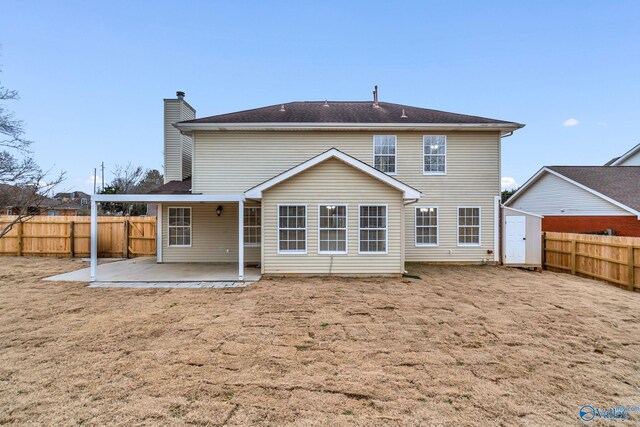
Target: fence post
x,y
573,257
631,266
125,239
544,250
72,239
19,230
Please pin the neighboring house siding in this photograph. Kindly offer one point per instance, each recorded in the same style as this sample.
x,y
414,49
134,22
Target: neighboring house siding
x,y
633,160
332,182
211,235
177,147
550,195
233,162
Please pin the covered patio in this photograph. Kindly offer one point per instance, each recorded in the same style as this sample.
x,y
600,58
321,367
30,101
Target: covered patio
x,y
154,269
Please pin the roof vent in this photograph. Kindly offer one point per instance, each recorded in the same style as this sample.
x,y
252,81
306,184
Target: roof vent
x,y
403,116
326,103
180,94
375,97
282,108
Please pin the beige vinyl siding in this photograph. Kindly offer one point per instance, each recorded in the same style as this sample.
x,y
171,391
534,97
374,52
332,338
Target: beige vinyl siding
x,y
187,142
172,141
211,235
233,162
178,148
332,182
550,195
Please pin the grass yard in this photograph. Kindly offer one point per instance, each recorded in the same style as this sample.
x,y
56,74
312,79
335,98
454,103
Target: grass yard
x,y
462,346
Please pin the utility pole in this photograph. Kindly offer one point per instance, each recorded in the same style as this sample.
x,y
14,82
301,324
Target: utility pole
x,y
102,166
95,172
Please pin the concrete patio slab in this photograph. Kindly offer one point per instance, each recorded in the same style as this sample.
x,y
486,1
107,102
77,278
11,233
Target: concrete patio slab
x,y
148,270
170,285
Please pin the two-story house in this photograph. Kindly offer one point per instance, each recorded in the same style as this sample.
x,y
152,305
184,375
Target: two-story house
x,y
347,188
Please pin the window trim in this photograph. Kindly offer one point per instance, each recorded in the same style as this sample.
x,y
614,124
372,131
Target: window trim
x,y
424,154
373,151
473,245
306,230
415,227
169,245
346,229
386,229
244,226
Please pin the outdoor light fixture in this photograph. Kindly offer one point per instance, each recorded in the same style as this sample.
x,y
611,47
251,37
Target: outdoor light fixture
x,y
219,210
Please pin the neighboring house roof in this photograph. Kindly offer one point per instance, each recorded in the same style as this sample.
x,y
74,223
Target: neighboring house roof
x,y
617,184
408,191
18,196
174,187
342,113
619,160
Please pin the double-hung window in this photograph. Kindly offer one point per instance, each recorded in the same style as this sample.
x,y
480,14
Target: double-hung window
x,y
252,226
434,149
468,226
332,229
292,229
179,227
384,153
426,226
372,231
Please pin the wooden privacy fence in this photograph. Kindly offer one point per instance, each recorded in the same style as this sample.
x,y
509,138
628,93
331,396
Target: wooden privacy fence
x,y
609,258
121,237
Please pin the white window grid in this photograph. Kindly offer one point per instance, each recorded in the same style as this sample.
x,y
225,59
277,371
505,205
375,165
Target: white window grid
x,y
426,226
179,226
385,154
469,226
292,229
434,153
332,229
252,226
372,229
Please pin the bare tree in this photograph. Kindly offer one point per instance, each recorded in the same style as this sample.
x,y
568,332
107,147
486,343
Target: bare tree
x,y
25,186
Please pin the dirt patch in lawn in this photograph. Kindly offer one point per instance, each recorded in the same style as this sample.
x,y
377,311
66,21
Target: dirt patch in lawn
x,y
461,346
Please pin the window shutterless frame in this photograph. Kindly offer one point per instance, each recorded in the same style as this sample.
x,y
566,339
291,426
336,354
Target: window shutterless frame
x,y
424,155
395,151
169,227
437,227
386,229
479,226
346,230
306,229
258,226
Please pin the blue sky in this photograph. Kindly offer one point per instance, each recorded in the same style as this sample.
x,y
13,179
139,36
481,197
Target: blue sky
x,y
92,75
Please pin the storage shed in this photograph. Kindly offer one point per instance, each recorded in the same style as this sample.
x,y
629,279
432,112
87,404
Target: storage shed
x,y
521,238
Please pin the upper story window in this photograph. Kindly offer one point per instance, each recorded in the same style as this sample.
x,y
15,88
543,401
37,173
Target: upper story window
x,y
385,153
180,227
435,154
252,226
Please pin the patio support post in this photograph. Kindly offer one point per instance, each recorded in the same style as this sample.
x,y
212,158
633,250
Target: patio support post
x,y
94,239
159,232
241,239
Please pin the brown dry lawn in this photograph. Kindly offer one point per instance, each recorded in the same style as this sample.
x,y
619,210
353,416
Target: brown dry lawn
x,y
462,346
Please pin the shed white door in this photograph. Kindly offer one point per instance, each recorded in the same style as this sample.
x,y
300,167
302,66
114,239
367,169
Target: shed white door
x,y
516,239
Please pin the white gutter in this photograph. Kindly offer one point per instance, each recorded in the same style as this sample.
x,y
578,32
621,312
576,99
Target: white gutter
x,y
348,126
167,198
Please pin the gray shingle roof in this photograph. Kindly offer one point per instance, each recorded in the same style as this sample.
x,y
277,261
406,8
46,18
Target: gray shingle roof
x,y
345,112
174,187
620,183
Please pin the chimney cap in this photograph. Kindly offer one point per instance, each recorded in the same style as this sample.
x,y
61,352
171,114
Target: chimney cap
x,y
180,94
